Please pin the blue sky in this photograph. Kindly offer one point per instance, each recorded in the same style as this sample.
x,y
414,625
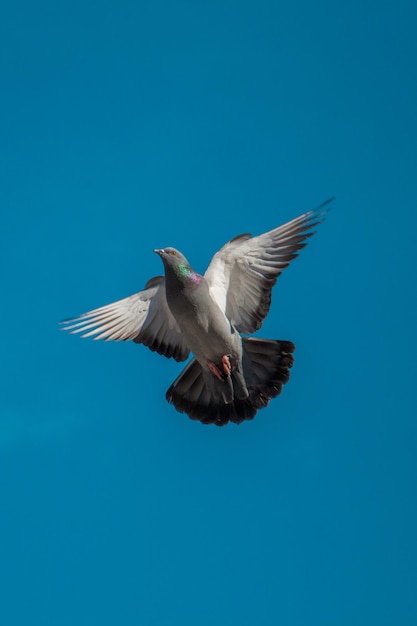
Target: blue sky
x,y
128,126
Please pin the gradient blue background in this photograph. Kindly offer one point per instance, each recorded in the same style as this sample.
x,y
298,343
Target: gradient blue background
x,y
127,126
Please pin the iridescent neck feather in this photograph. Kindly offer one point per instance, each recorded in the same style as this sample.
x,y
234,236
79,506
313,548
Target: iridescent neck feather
x,y
185,271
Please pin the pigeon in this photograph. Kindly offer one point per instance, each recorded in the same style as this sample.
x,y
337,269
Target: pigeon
x,y
231,375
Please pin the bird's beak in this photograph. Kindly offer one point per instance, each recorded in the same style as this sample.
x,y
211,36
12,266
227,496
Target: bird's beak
x,y
159,251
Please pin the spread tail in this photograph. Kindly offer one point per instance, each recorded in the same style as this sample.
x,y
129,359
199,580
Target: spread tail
x,y
266,368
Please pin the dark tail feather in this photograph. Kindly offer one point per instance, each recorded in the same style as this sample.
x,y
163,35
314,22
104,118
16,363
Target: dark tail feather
x,y
266,368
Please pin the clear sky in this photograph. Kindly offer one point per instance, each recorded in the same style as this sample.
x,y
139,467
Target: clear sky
x,y
127,126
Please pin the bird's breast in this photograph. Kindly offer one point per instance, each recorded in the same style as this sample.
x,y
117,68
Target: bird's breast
x,y
205,327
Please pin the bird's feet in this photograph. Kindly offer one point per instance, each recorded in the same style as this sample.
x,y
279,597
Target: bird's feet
x,y
227,368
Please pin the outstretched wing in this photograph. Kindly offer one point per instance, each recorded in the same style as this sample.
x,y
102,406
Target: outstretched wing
x,y
144,317
242,273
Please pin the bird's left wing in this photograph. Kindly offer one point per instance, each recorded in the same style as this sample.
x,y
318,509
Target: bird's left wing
x,y
144,317
242,273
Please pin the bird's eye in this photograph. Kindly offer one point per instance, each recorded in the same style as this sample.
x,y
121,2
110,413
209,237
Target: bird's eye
x,y
173,252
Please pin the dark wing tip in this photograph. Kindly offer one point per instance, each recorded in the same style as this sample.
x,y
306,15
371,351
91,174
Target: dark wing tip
x,y
323,208
326,202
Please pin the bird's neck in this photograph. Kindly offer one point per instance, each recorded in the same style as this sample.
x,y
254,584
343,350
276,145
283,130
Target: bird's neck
x,y
187,273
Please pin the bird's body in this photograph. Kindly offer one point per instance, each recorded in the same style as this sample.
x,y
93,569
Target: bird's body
x,y
204,326
230,376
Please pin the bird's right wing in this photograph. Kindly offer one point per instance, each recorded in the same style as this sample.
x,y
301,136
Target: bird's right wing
x,y
242,273
144,317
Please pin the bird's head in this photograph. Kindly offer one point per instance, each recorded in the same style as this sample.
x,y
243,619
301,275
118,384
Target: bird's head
x,y
174,261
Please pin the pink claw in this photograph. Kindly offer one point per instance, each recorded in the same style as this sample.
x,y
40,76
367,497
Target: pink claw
x,y
226,365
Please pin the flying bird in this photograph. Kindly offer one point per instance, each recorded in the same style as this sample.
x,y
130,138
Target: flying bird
x,y
231,376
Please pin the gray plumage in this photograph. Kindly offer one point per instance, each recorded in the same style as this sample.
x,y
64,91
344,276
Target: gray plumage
x,y
230,377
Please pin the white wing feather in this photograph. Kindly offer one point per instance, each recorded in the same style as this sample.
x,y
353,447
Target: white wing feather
x,y
143,317
242,273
